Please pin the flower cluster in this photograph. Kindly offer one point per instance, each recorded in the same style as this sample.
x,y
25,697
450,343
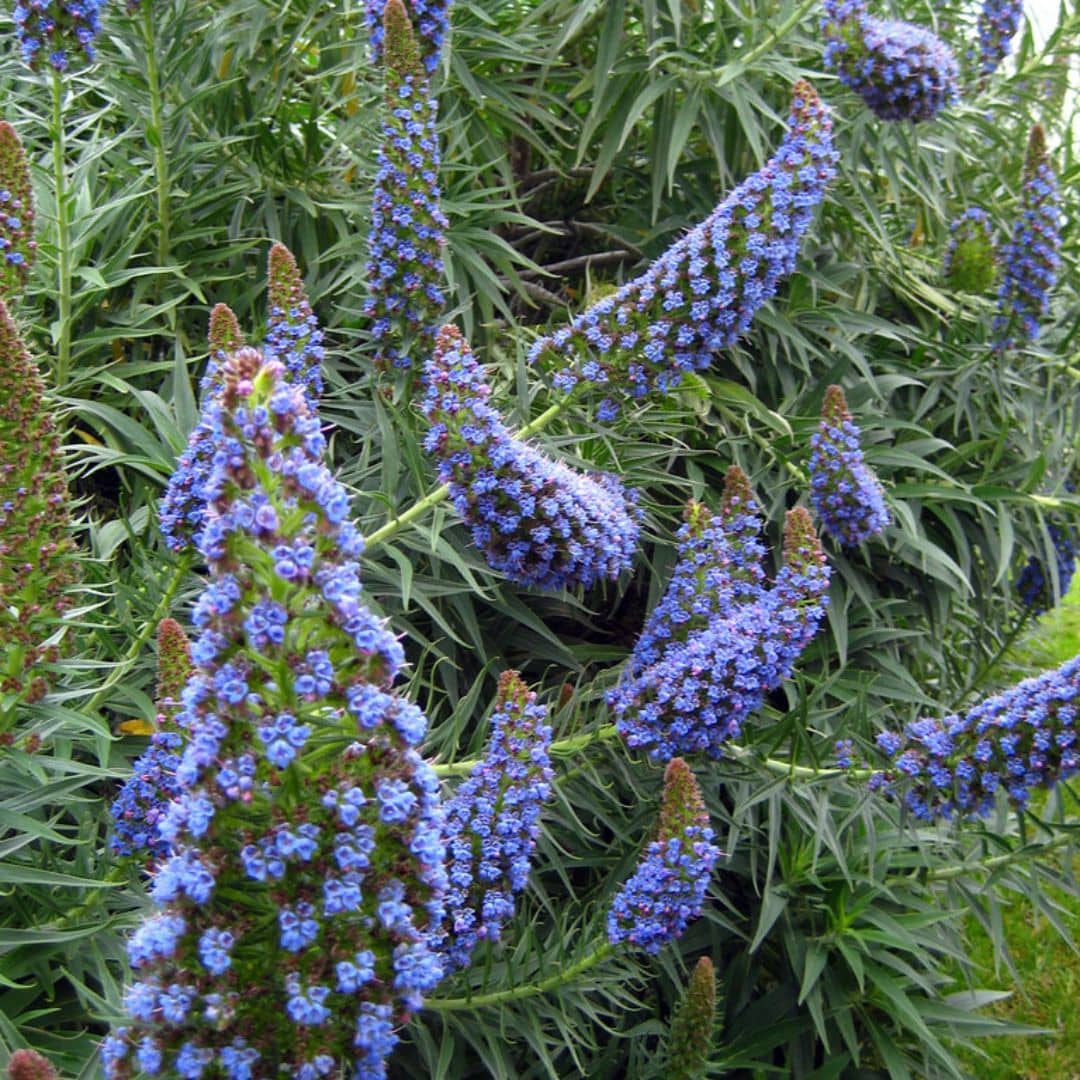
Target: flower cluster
x,y
293,334
405,264
997,23
1035,586
846,494
667,890
17,244
307,855
30,1065
720,639
691,1034
145,796
432,23
55,27
969,264
901,71
1015,741
536,520
493,820
37,566
702,294
1031,258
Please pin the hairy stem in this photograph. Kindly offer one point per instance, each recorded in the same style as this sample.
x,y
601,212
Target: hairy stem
x,y
63,233
156,135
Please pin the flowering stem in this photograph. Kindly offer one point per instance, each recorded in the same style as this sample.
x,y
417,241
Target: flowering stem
x,y
439,494
515,993
156,135
946,873
63,232
791,467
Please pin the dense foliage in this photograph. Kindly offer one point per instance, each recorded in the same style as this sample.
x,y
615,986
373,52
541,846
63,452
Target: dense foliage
x,y
674,239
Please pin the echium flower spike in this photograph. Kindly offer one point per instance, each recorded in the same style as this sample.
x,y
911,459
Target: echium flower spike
x,y
183,506
900,70
174,665
997,24
37,564
1031,258
17,244
536,520
1034,583
691,1034
847,496
969,264
429,19
307,839
55,29
701,295
293,334
493,820
696,693
742,521
30,1065
1016,741
405,263
667,891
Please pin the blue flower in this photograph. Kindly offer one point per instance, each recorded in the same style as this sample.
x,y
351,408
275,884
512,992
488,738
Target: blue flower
x,y
57,28
845,492
667,890
701,295
1031,258
997,24
493,820
1034,584
901,71
293,334
536,520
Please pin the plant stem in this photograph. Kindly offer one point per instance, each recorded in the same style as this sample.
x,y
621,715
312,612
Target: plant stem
x,y
946,873
63,233
433,498
515,993
157,135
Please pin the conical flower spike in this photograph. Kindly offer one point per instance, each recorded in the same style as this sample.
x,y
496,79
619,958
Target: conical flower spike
x,y
493,820
430,20
37,566
969,264
1016,741
1031,259
307,856
997,25
536,520
57,31
405,265
183,506
667,891
30,1065
742,522
17,244
701,294
846,494
174,665
901,71
690,1040
293,335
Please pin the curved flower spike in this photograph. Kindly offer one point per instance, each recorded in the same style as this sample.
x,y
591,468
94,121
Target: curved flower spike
x,y
293,334
696,694
1031,259
969,264
901,71
405,264
1015,741
493,820
846,494
307,855
667,891
17,243
536,520
701,294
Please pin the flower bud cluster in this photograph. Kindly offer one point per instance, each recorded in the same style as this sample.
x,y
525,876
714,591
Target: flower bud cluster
x,y
702,294
1034,584
692,1025
405,263
969,264
720,640
1031,258
30,1065
301,904
55,28
493,820
667,890
998,22
17,244
901,71
430,20
1016,741
846,494
293,334
536,520
37,566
